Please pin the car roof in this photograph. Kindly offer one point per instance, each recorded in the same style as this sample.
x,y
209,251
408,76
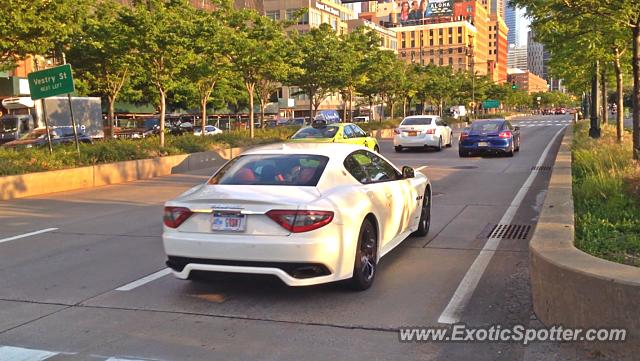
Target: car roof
x,y
331,150
489,120
422,116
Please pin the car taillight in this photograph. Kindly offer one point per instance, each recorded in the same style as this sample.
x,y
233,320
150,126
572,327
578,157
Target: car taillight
x,y
506,134
397,131
175,216
298,221
430,131
463,135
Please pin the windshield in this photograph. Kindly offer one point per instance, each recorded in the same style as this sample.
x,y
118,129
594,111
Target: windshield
x,y
416,121
267,169
315,133
486,126
8,124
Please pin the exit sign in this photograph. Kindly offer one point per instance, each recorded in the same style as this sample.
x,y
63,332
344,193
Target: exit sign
x,y
51,82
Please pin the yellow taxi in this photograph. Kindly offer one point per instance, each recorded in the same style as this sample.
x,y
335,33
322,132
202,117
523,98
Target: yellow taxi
x,y
320,132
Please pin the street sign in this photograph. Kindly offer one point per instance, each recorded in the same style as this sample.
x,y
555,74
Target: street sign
x,y
51,82
490,104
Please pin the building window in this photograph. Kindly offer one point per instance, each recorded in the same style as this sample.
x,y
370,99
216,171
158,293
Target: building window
x,y
273,15
459,29
450,50
450,61
440,32
431,42
316,19
469,9
460,39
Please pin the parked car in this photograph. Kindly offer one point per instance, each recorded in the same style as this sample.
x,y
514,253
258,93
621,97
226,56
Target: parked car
x,y
495,136
321,132
422,131
208,130
361,119
324,214
181,128
59,135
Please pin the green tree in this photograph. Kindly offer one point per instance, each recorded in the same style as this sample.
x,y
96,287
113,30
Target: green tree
x,y
37,27
255,51
319,66
161,34
101,55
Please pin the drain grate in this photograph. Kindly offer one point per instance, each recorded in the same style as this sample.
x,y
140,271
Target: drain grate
x,y
541,167
510,231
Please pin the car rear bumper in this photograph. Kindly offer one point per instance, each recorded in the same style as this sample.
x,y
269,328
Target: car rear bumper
x,y
421,140
290,258
494,146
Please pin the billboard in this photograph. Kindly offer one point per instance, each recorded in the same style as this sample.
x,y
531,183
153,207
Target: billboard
x,y
439,8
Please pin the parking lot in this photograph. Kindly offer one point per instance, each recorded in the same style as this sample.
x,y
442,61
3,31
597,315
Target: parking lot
x,y
92,284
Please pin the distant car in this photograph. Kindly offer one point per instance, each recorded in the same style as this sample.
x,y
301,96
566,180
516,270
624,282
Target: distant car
x,y
305,213
361,119
59,135
422,131
496,136
208,130
321,132
300,121
181,128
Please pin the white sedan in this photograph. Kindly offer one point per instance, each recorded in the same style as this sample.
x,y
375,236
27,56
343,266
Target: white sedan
x,y
422,131
307,213
208,130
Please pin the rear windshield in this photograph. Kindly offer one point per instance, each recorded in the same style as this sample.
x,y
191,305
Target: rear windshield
x,y
486,126
311,132
272,169
416,121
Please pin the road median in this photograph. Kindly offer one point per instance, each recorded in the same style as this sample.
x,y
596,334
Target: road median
x,y
572,288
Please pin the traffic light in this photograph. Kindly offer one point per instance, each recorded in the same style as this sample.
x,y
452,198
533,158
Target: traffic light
x,y
513,85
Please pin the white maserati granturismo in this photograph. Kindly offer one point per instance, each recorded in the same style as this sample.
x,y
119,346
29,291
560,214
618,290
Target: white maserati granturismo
x,y
307,213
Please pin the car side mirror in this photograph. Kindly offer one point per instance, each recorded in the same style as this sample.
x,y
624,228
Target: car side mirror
x,y
408,172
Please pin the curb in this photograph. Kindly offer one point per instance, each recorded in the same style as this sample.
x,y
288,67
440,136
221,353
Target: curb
x,y
572,288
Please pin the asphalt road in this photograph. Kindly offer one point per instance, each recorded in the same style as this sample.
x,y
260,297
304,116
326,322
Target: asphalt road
x,y
74,291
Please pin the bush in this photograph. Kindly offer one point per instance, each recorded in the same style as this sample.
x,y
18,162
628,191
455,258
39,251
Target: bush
x,y
606,200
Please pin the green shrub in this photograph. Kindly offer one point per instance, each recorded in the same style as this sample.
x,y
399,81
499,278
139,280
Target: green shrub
x,y
607,211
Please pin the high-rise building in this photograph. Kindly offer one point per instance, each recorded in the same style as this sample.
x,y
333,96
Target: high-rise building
x,y
517,57
497,7
535,56
498,48
517,24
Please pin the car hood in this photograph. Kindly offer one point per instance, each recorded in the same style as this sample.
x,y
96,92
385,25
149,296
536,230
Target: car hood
x,y
311,140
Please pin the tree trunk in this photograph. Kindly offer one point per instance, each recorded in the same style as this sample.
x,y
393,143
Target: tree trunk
x,y
619,98
350,104
108,134
404,107
594,130
372,114
262,107
636,90
311,96
203,114
344,107
603,89
392,108
163,110
250,90
382,108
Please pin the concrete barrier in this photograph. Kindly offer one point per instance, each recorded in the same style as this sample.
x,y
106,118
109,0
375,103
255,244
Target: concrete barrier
x,y
33,184
572,288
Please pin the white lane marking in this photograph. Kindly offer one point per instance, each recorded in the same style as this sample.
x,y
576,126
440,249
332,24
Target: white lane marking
x,y
421,168
467,286
8,353
27,235
144,280
120,359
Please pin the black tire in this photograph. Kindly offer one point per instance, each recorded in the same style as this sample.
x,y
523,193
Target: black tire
x,y
376,149
398,149
365,263
439,147
425,216
463,154
509,153
517,149
450,140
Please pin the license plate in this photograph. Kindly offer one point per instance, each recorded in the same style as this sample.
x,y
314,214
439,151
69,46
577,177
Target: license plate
x,y
483,144
228,222
412,134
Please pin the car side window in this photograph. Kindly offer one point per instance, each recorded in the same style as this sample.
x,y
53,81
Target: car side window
x,y
353,165
358,131
348,132
381,170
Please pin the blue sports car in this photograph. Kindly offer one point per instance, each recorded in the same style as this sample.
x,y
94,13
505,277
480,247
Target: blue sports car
x,y
495,136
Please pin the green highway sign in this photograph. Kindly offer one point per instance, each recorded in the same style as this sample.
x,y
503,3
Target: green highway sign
x,y
51,82
490,103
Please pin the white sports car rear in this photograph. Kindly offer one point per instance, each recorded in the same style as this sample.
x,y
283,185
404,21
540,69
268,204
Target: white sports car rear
x,y
306,213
